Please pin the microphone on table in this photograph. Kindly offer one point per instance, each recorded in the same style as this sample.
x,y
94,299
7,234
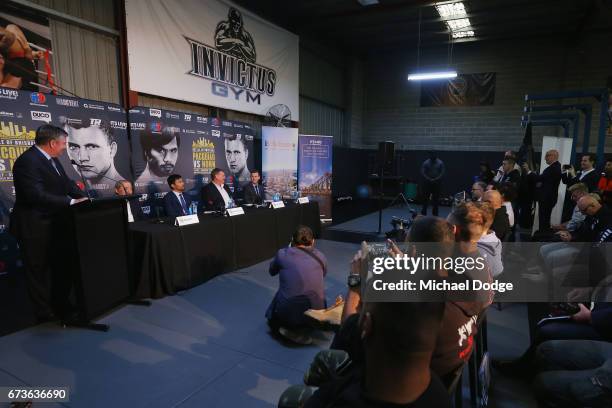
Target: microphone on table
x,y
82,178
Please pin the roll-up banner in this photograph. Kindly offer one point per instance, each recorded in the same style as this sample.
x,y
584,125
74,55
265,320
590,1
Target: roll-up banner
x,y
279,159
166,142
315,170
212,52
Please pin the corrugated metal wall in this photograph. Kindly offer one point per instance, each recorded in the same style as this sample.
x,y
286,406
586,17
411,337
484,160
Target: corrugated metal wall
x,y
317,118
322,92
85,63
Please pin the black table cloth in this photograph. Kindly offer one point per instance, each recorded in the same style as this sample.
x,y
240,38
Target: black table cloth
x,y
165,258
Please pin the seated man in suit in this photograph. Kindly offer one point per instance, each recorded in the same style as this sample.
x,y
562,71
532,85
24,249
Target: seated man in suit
x,y
216,195
123,188
501,223
176,203
253,191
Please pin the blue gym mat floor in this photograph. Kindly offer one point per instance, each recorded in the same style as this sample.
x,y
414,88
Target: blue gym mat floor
x,y
206,347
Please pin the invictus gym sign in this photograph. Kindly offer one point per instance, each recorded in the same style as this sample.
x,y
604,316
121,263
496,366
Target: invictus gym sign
x,y
211,52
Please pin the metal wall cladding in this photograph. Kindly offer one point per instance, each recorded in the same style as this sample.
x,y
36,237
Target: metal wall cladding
x,y
169,104
321,80
317,118
85,63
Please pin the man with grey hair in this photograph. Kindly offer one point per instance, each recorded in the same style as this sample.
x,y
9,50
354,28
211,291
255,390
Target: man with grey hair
x,y
124,188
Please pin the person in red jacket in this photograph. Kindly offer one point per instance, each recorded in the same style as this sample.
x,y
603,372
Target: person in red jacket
x,y
605,182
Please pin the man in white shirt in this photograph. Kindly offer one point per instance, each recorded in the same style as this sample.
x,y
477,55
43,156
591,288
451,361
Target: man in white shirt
x,y
123,188
216,195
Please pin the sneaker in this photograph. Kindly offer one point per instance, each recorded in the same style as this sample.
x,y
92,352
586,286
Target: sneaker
x,y
295,337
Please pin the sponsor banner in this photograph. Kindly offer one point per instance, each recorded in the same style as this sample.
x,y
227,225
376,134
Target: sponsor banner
x,y
279,160
167,142
97,141
464,90
28,59
211,52
315,170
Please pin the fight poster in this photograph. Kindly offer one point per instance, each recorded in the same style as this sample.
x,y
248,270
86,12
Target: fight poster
x,y
279,160
168,142
97,154
315,170
26,59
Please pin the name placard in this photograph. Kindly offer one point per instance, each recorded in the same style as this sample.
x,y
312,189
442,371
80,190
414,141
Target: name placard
x,y
235,211
186,220
303,200
278,204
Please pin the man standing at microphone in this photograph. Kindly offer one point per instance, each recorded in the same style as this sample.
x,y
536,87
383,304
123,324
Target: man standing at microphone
x,y
42,190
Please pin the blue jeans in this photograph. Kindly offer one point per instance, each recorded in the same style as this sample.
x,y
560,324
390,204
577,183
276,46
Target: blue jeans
x,y
574,373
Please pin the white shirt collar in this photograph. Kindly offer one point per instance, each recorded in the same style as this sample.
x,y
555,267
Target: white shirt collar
x,y
226,197
47,156
584,173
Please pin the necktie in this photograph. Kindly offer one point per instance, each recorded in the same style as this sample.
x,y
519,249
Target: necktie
x,y
54,166
257,190
183,203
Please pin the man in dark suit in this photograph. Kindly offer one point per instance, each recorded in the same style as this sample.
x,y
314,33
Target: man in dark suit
x,y
253,191
42,190
216,195
586,175
176,202
123,188
510,174
547,189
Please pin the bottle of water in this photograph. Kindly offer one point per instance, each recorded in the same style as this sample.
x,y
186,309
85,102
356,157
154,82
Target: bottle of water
x,y
193,208
230,203
276,197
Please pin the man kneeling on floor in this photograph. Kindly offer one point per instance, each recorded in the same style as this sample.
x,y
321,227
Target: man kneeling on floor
x,y
301,269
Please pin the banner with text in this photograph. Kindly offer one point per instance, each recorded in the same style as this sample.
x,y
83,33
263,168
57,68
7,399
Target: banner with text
x,y
214,53
97,141
279,160
315,170
167,142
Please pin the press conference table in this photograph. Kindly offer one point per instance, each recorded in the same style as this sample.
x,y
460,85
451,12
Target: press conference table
x,y
165,258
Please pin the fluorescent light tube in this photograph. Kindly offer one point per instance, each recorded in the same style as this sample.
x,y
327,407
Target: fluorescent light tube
x,y
432,75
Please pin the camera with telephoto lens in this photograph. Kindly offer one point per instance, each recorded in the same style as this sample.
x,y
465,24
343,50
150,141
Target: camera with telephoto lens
x,y
401,226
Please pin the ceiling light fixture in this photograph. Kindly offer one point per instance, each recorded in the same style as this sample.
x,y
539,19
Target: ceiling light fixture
x,y
432,75
367,2
424,76
456,19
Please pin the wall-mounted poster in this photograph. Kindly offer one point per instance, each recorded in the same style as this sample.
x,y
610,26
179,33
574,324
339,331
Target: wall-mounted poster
x,y
464,90
26,57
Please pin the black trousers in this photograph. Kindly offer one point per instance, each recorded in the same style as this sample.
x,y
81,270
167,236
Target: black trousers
x,y
544,212
433,190
48,283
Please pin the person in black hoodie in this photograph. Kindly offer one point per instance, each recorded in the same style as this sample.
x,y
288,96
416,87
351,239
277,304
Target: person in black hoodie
x,y
501,223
